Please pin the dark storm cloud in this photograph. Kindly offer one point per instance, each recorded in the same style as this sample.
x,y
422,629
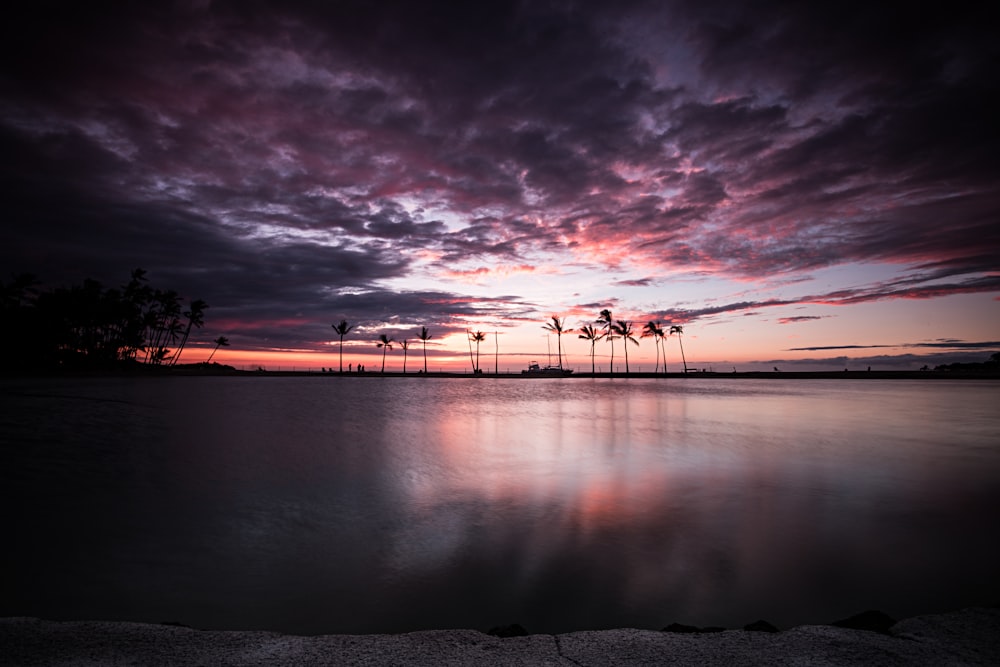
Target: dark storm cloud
x,y
288,324
904,289
899,166
638,282
268,156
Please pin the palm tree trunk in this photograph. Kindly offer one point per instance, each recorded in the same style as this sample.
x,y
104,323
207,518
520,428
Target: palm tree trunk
x,y
184,340
680,340
471,360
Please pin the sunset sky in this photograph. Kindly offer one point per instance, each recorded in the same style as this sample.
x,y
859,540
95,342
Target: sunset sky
x,y
793,183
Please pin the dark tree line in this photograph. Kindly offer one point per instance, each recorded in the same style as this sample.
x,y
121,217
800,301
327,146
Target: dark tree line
x,y
991,365
89,326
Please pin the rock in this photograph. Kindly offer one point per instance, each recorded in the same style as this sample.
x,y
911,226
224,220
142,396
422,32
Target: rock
x,y
760,626
512,630
680,627
873,620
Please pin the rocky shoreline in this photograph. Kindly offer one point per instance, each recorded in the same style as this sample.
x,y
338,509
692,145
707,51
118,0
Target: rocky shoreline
x,y
966,637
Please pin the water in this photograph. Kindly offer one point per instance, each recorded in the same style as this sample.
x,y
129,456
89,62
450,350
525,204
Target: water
x,y
355,505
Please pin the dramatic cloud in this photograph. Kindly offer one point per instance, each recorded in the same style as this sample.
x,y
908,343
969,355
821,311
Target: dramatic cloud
x,y
947,344
798,318
402,163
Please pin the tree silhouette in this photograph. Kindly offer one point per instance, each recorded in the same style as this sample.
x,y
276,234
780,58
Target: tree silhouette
x,y
608,324
386,344
90,326
342,330
195,315
624,329
405,345
652,329
19,342
221,341
476,337
131,318
593,335
163,322
557,327
425,336
678,329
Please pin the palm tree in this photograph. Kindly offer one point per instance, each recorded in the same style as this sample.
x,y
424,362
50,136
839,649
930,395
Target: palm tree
x,y
557,327
195,315
593,335
342,329
607,322
477,338
678,329
653,329
163,322
425,336
386,344
624,329
221,341
405,345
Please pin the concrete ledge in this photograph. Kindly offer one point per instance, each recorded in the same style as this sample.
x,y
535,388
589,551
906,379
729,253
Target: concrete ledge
x,y
967,637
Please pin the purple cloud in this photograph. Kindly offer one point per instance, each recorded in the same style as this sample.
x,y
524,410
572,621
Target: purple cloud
x,y
268,156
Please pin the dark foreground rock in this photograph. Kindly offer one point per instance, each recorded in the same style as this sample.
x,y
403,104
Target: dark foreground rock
x,y
967,637
872,620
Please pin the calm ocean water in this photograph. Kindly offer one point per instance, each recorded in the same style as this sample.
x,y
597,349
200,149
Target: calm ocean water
x,y
357,505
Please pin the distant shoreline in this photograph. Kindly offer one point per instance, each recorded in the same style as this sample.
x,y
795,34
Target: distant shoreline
x,y
229,371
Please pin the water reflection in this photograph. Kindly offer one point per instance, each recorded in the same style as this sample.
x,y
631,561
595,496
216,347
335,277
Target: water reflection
x,y
374,504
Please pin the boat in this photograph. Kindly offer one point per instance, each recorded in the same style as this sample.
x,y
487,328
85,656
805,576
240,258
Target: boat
x,y
545,371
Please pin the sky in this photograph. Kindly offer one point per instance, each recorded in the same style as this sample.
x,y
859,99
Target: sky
x,y
815,185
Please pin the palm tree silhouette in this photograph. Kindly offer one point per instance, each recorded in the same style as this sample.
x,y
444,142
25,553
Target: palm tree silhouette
x,y
607,322
425,336
593,335
652,329
221,341
342,329
405,345
477,338
556,326
678,329
386,344
164,323
195,315
624,329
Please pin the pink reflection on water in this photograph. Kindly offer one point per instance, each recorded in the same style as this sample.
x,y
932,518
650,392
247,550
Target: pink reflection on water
x,y
689,494
349,505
